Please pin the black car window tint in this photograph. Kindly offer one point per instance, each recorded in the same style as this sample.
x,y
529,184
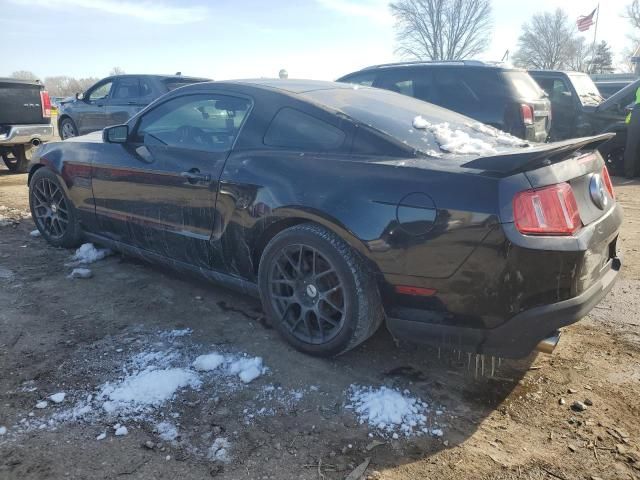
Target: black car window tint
x,y
294,129
365,79
101,91
454,92
414,83
127,88
195,122
561,93
145,88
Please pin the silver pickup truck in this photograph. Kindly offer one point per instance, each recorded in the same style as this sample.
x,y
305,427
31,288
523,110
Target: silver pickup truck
x,y
25,121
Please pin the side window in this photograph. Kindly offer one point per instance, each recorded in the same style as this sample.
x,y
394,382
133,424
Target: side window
x,y
100,92
414,83
294,129
195,122
453,92
145,88
365,79
561,93
126,88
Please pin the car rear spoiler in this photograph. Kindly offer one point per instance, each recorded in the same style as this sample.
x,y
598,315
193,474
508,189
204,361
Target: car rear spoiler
x,y
516,161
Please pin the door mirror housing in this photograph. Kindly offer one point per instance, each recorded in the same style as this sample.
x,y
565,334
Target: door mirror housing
x,y
80,96
116,134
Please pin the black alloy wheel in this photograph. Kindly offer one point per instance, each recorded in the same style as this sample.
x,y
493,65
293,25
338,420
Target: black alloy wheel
x,y
319,292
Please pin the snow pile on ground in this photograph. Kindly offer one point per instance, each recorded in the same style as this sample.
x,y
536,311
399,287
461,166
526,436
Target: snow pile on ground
x,y
88,253
219,451
167,431
389,411
148,388
35,233
209,362
173,334
120,430
248,369
80,273
3,430
57,397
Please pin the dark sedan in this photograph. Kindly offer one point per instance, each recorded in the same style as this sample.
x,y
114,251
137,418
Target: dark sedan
x,y
114,100
344,206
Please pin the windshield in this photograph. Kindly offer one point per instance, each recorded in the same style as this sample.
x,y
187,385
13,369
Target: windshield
x,y
426,128
586,89
523,85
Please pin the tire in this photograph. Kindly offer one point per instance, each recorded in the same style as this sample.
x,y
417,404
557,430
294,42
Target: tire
x,y
67,129
320,294
52,211
19,161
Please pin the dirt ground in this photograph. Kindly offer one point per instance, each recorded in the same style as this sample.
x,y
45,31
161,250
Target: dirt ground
x,y
59,334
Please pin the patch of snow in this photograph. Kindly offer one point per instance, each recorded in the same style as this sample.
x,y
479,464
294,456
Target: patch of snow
x,y
206,363
437,432
420,123
35,233
220,450
248,369
501,137
121,431
57,397
42,404
80,273
145,359
3,430
167,431
456,141
387,410
147,388
102,436
170,335
88,253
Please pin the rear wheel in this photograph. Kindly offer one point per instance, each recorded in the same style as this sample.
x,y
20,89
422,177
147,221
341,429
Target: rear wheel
x,y
18,160
318,291
53,213
68,129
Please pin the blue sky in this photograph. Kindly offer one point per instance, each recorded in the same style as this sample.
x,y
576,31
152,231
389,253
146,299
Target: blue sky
x,y
224,39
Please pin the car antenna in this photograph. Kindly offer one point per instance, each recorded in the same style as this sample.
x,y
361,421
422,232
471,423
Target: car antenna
x,y
178,74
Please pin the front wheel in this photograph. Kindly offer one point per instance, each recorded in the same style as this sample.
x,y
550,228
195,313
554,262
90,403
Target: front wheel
x,y
318,291
68,129
53,213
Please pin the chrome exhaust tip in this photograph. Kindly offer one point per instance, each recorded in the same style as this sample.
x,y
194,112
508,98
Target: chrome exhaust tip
x,y
549,344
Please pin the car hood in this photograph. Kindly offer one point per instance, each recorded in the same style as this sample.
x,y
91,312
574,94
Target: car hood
x,y
93,137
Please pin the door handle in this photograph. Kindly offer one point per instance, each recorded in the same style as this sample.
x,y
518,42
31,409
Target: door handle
x,y
194,176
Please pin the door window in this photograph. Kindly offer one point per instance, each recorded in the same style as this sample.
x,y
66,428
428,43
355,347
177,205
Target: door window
x,y
127,88
365,79
100,92
295,129
414,83
195,122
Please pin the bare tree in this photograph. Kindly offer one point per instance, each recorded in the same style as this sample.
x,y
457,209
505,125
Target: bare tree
x,y
633,13
442,29
547,42
63,86
579,55
24,75
116,71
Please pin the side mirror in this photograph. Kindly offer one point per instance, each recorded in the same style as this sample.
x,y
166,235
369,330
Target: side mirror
x,y
116,134
80,96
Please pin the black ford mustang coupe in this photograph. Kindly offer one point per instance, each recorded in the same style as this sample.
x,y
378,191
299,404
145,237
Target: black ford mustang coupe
x,y
343,207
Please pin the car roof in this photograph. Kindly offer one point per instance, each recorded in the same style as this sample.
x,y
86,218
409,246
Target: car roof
x,y
160,76
290,85
440,64
561,72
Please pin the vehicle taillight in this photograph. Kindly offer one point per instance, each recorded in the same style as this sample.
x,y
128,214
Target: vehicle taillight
x,y
607,182
547,211
45,101
527,114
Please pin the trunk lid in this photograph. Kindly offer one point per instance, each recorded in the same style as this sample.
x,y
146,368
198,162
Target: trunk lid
x,y
20,102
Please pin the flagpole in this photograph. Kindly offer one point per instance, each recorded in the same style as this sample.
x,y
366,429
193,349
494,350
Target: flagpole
x,y
595,32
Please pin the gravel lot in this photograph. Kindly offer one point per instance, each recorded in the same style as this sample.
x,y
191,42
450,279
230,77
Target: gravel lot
x,y
92,338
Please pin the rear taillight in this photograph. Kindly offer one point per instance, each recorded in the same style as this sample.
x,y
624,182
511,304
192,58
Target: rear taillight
x,y
547,211
45,101
527,114
607,182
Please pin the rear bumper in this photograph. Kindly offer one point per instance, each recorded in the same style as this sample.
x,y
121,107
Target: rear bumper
x,y
517,337
23,134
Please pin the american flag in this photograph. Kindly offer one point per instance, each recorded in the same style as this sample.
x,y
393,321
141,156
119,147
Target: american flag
x,y
584,23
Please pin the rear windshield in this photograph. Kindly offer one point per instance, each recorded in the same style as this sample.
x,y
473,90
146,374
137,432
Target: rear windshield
x,y
586,89
173,84
523,85
423,127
